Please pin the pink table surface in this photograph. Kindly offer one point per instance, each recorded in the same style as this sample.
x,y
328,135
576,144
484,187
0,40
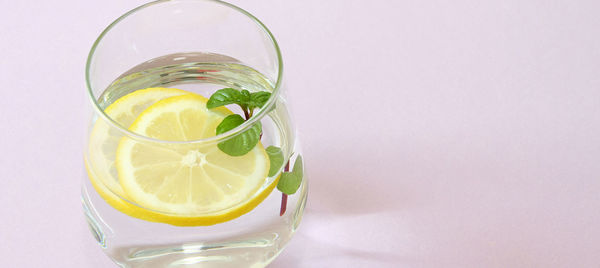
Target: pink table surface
x,y
436,133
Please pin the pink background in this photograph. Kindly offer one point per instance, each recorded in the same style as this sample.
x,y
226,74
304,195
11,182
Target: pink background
x,y
436,133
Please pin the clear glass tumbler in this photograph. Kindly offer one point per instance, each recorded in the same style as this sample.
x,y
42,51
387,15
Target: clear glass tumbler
x,y
191,157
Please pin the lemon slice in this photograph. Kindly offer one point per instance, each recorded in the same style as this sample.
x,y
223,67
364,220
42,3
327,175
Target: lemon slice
x,y
189,184
104,138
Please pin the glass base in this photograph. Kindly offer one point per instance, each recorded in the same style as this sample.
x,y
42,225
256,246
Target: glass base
x,y
252,240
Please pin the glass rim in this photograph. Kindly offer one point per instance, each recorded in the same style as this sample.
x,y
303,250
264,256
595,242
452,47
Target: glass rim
x,y
223,136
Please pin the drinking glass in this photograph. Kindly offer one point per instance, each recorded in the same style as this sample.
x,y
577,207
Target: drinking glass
x,y
168,58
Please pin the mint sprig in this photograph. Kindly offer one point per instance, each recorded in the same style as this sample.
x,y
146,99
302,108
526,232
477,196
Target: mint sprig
x,y
245,141
290,181
246,100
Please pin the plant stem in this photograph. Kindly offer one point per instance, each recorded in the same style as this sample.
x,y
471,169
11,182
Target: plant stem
x,y
284,197
246,114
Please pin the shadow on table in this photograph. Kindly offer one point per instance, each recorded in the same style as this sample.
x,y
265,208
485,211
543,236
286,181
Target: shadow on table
x,y
356,185
330,253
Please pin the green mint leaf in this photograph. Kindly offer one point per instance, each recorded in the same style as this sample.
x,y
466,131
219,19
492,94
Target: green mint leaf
x,y
275,158
245,96
230,122
243,142
223,97
259,99
290,181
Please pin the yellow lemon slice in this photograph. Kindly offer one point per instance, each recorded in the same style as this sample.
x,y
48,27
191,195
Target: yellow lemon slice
x,y
188,184
104,138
